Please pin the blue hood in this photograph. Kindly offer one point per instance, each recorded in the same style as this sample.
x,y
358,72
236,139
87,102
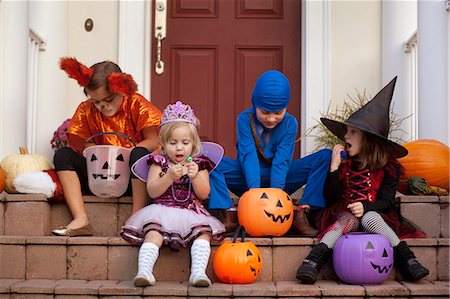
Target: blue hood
x,y
272,92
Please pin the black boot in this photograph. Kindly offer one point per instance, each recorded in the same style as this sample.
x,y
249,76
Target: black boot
x,y
309,270
407,263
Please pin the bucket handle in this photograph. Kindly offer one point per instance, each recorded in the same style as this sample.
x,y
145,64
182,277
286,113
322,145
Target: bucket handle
x,y
111,133
239,229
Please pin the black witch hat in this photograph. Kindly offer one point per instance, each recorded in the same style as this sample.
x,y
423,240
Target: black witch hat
x,y
372,118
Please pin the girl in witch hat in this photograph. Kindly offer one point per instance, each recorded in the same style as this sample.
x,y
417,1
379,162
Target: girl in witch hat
x,y
113,105
360,190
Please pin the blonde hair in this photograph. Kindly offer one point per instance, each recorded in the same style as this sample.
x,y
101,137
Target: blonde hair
x,y
374,152
166,130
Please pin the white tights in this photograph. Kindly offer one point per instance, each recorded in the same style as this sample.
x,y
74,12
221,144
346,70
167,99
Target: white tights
x,y
200,251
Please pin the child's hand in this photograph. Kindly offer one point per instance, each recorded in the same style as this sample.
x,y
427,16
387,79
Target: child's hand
x,y
336,158
192,170
175,171
357,209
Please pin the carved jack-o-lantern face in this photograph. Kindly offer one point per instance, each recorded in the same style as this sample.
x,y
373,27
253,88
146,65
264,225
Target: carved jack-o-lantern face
x,y
237,262
361,258
108,169
265,211
378,258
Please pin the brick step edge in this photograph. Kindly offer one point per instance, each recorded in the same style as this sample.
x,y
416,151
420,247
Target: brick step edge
x,y
95,258
22,214
12,197
323,288
258,241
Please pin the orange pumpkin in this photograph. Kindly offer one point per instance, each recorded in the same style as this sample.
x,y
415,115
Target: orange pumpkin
x,y
2,180
265,212
428,159
237,262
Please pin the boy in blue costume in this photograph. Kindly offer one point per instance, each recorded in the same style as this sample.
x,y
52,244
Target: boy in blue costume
x,y
266,135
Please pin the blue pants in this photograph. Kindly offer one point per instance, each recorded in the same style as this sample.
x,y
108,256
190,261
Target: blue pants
x,y
311,170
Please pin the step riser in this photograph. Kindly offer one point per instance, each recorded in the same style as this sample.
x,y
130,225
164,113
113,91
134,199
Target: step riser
x,y
39,218
93,259
20,216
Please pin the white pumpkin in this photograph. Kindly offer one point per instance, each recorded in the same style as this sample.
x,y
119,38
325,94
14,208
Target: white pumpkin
x,y
13,165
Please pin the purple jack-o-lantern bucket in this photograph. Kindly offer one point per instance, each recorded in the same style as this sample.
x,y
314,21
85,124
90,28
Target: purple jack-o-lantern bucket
x,y
108,168
362,258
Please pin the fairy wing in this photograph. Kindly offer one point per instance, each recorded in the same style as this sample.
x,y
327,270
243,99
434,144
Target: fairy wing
x,y
212,150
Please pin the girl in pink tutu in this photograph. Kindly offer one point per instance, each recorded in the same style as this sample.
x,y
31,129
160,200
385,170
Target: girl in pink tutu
x,y
178,181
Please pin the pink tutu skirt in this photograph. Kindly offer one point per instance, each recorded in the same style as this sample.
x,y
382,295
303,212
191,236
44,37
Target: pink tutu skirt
x,y
178,226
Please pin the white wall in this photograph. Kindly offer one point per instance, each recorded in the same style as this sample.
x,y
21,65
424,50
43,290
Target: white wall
x,y
90,47
135,41
315,67
13,74
355,49
341,55
399,22
433,36
52,104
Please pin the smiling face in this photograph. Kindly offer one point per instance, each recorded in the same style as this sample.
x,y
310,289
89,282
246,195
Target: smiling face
x,y
108,104
180,144
270,119
265,211
353,141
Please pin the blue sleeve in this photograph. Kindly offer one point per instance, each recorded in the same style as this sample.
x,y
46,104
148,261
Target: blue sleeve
x,y
282,159
247,154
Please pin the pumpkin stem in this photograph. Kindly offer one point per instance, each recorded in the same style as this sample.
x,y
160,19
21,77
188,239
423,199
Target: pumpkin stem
x,y
23,150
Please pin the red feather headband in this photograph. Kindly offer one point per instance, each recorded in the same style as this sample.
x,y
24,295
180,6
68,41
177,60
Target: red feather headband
x,y
117,82
121,83
76,70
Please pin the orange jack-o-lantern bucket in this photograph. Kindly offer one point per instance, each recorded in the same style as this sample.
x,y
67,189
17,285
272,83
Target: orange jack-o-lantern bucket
x,y
237,262
108,168
265,211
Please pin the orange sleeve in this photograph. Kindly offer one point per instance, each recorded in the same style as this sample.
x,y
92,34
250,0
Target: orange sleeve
x,y
78,130
145,113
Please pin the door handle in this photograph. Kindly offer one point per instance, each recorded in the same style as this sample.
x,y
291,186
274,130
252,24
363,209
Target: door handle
x,y
160,33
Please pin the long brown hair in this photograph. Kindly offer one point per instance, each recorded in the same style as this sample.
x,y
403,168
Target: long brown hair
x,y
374,153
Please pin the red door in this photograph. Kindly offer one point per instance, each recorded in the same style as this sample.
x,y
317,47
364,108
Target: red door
x,y
213,52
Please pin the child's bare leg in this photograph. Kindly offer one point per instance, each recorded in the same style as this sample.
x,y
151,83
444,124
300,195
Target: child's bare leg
x,y
148,254
139,194
74,198
200,251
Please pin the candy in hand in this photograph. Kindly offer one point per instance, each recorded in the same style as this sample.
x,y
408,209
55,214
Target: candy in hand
x,y
189,159
343,155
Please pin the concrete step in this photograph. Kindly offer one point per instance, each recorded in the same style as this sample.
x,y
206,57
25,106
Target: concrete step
x,y
33,215
61,289
111,258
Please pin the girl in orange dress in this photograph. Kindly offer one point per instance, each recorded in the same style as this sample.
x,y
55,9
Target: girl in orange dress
x,y
113,105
